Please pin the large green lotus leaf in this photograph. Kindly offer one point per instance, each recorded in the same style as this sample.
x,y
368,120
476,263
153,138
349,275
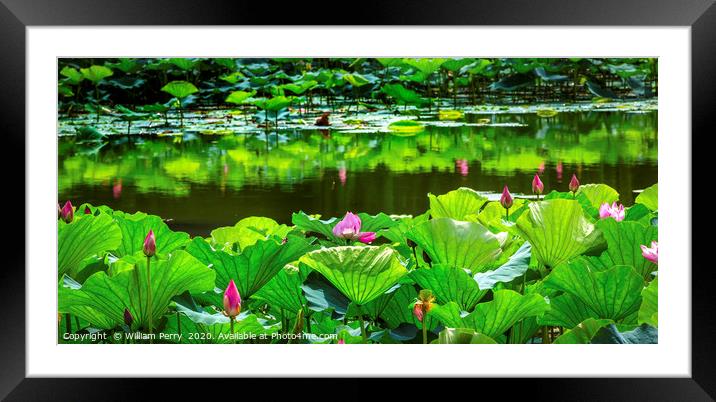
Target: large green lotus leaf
x,y
558,231
495,317
308,223
467,245
254,267
247,232
402,94
180,89
284,290
649,197
425,65
591,210
524,330
85,237
624,240
566,311
598,194
356,79
456,204
583,332
360,273
239,97
135,228
96,73
649,309
66,290
493,213
515,267
612,294
110,295
449,284
455,336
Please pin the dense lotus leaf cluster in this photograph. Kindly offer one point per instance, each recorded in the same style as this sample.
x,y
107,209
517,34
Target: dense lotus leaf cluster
x,y
554,270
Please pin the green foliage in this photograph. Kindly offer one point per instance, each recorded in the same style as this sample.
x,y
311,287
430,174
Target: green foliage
x,y
180,89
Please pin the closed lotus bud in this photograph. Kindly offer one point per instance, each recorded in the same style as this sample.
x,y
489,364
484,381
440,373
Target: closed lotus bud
x,y
411,243
574,184
537,185
67,213
128,319
150,245
341,342
232,300
427,258
506,199
88,211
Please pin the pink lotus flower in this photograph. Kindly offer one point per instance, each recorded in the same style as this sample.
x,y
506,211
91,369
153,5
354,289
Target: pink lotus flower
x,y
574,184
537,185
349,229
615,211
506,199
232,300
651,253
67,213
150,244
341,342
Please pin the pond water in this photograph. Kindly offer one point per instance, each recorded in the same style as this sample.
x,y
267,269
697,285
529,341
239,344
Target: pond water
x,y
200,182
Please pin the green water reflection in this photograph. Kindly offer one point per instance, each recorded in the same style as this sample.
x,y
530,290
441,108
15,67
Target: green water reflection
x,y
201,182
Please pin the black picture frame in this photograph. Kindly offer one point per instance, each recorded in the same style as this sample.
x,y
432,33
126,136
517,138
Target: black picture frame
x,y
16,15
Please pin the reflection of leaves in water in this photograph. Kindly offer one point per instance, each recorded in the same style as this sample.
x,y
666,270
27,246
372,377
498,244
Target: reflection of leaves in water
x,y
234,161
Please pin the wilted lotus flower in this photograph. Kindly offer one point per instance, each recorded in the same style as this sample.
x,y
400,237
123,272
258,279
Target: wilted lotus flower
x,y
615,211
67,213
574,184
150,245
232,300
423,305
651,253
349,229
128,319
506,199
537,186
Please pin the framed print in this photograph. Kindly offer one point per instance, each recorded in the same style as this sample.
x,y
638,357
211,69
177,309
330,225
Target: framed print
x,y
478,192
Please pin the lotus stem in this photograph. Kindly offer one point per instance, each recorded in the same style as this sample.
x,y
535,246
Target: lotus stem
x,y
68,323
231,323
363,330
507,214
425,332
149,298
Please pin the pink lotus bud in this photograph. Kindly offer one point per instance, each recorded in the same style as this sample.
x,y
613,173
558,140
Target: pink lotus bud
x,y
128,319
232,300
88,211
348,227
604,211
506,199
150,245
117,189
651,253
537,185
341,342
67,213
463,167
574,184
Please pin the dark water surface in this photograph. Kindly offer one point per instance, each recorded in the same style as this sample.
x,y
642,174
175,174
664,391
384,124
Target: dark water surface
x,y
203,182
